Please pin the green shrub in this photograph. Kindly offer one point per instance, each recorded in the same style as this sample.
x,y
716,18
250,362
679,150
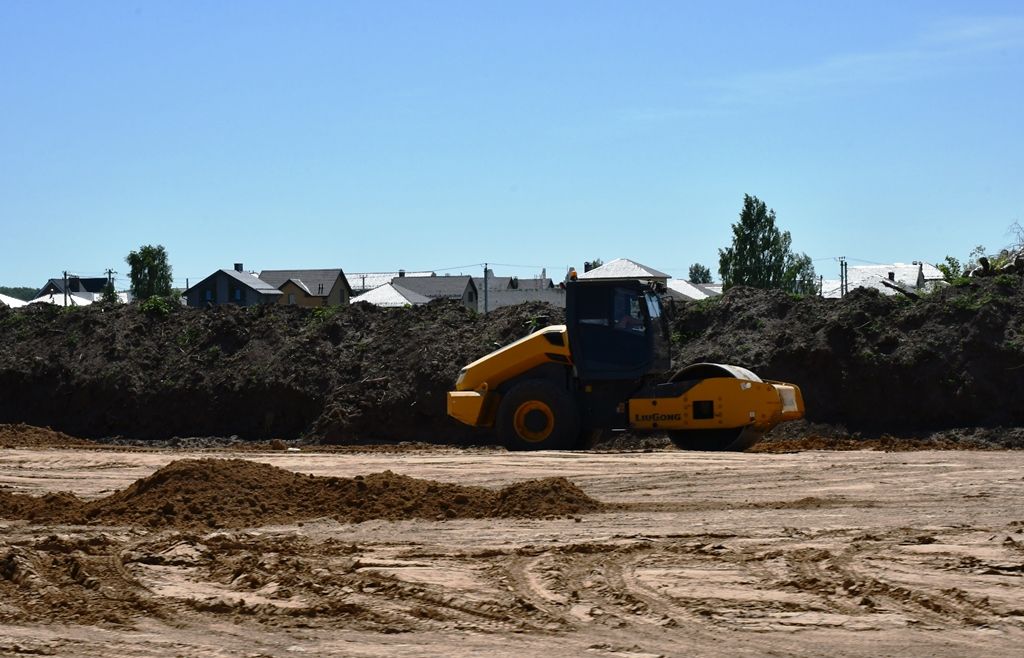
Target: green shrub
x,y
157,306
322,314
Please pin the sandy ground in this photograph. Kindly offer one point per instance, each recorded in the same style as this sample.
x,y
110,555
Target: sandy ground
x,y
812,553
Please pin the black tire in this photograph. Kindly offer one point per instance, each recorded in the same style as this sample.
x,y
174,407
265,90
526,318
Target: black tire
x,y
730,440
538,415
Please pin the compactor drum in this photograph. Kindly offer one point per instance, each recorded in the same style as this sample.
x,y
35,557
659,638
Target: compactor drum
x,y
560,387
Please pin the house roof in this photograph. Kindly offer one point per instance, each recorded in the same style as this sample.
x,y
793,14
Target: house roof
x,y
253,281
391,296
536,284
85,284
512,283
57,299
689,290
623,268
246,279
313,279
371,280
493,282
871,276
298,283
450,287
12,302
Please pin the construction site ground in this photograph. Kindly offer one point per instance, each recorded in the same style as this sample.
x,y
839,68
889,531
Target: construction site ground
x,y
812,552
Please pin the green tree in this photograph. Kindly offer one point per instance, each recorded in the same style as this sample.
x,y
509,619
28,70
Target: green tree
x,y
109,295
699,274
150,272
800,277
761,254
951,269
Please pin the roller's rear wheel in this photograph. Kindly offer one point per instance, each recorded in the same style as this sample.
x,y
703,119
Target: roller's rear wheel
x,y
732,440
538,415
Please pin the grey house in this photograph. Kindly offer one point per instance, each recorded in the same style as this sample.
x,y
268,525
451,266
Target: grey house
x,y
460,288
231,287
511,290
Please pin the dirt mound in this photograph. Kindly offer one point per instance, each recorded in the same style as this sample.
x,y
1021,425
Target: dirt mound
x,y
339,374
548,497
28,436
234,493
870,363
876,364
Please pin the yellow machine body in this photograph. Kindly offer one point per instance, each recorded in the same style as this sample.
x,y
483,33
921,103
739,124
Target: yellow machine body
x,y
719,403
474,400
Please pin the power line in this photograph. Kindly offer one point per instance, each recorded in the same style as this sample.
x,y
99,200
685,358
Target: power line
x,y
514,265
869,262
457,267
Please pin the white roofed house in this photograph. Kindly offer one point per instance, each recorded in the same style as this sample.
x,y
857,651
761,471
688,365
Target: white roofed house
x,y
365,281
73,291
891,279
625,269
390,296
686,291
61,299
11,302
460,288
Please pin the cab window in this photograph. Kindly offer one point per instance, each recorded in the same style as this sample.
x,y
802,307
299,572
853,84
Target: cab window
x,y
627,314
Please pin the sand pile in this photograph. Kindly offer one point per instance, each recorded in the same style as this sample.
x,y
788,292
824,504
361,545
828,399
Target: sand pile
x,y
21,435
233,493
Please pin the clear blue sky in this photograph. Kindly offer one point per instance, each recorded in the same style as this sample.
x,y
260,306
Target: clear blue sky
x,y
434,135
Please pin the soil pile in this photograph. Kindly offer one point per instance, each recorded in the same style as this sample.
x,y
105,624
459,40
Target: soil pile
x,y
866,363
28,436
235,493
336,374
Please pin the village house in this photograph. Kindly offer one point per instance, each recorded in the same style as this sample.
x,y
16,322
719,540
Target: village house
x,y
11,302
460,288
389,296
888,279
624,269
510,290
309,287
234,286
72,291
362,282
86,287
680,290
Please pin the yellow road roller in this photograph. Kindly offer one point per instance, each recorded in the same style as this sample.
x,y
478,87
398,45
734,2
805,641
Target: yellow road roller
x,y
565,385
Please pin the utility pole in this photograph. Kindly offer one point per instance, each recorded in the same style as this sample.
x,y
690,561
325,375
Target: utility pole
x,y
842,276
65,288
485,289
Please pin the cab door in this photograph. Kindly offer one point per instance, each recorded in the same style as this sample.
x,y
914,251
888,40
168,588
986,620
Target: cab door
x,y
610,329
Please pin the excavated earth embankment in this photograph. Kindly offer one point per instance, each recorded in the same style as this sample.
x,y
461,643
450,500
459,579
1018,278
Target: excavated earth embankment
x,y
876,364
950,361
